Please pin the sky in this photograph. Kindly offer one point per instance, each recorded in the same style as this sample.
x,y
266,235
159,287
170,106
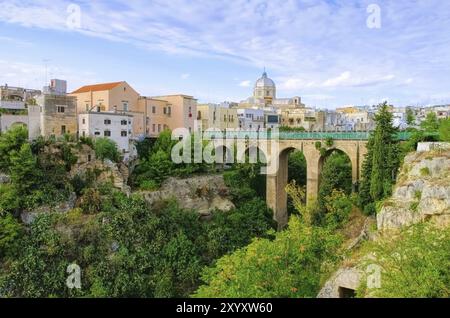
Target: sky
x,y
330,52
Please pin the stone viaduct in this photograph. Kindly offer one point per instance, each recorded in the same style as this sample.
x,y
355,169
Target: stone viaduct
x,y
276,195
276,151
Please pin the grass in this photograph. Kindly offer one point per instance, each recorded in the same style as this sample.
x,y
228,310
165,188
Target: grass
x,y
418,195
425,171
413,207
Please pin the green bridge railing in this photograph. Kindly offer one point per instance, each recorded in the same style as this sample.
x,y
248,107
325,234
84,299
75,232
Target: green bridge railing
x,y
350,135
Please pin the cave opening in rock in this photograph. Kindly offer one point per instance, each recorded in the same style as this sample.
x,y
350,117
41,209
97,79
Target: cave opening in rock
x,y
346,292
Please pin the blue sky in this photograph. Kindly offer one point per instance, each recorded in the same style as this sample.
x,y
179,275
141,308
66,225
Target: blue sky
x,y
321,50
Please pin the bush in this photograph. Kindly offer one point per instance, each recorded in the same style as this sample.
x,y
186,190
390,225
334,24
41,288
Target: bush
x,y
415,263
10,141
10,232
148,185
106,149
288,266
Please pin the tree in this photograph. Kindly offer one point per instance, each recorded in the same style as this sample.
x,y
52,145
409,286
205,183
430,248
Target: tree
x,y
444,130
24,171
430,124
288,266
10,141
10,232
336,175
382,160
410,117
106,149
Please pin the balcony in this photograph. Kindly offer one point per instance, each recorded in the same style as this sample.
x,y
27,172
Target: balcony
x,y
12,104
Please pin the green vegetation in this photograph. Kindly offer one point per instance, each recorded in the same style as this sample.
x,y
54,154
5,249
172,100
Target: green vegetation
x,y
381,163
425,172
444,130
127,248
410,117
290,265
156,164
414,263
105,148
38,177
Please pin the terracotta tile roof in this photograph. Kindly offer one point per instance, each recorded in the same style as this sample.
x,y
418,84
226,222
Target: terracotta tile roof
x,y
96,87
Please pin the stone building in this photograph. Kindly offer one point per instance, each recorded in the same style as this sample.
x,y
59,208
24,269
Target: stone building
x,y
58,115
217,116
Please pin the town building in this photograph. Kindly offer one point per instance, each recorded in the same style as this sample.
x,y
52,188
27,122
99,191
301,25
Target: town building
x,y
117,126
111,97
181,111
217,116
251,118
58,115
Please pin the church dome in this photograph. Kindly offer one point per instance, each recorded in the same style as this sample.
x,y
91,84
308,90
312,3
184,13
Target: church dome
x,y
264,81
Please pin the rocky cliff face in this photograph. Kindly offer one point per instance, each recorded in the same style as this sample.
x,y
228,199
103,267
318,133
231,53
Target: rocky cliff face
x,y
202,193
106,171
422,194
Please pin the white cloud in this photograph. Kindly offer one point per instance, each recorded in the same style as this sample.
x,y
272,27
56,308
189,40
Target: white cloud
x,y
245,84
308,45
30,75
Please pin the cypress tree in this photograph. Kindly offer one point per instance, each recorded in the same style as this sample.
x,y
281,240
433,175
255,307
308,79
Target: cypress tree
x,y
382,160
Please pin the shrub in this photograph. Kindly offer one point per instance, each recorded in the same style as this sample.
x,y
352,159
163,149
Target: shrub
x,y
106,149
425,171
414,263
148,185
10,232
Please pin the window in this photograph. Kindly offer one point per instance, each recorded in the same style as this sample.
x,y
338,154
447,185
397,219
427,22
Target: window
x,y
63,130
84,133
154,128
84,121
60,109
107,133
107,121
87,107
159,127
164,110
199,115
153,110
125,106
123,133
169,110
123,122
225,118
97,133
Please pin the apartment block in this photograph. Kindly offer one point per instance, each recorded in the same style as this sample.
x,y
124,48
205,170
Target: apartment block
x,y
117,126
217,116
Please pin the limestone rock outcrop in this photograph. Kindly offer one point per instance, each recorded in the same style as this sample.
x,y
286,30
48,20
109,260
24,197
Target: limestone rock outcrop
x,y
422,192
105,171
203,193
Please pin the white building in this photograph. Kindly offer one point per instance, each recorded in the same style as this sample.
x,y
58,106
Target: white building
x,y
116,126
251,118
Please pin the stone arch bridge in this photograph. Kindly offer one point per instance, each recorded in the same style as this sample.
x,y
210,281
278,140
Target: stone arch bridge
x,y
277,148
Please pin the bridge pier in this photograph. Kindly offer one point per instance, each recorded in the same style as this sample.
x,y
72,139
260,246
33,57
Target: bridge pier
x,y
276,195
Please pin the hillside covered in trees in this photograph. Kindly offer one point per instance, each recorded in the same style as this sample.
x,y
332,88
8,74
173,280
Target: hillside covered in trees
x,y
127,248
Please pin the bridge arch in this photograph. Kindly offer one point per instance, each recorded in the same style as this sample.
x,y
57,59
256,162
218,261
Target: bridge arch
x,y
275,192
